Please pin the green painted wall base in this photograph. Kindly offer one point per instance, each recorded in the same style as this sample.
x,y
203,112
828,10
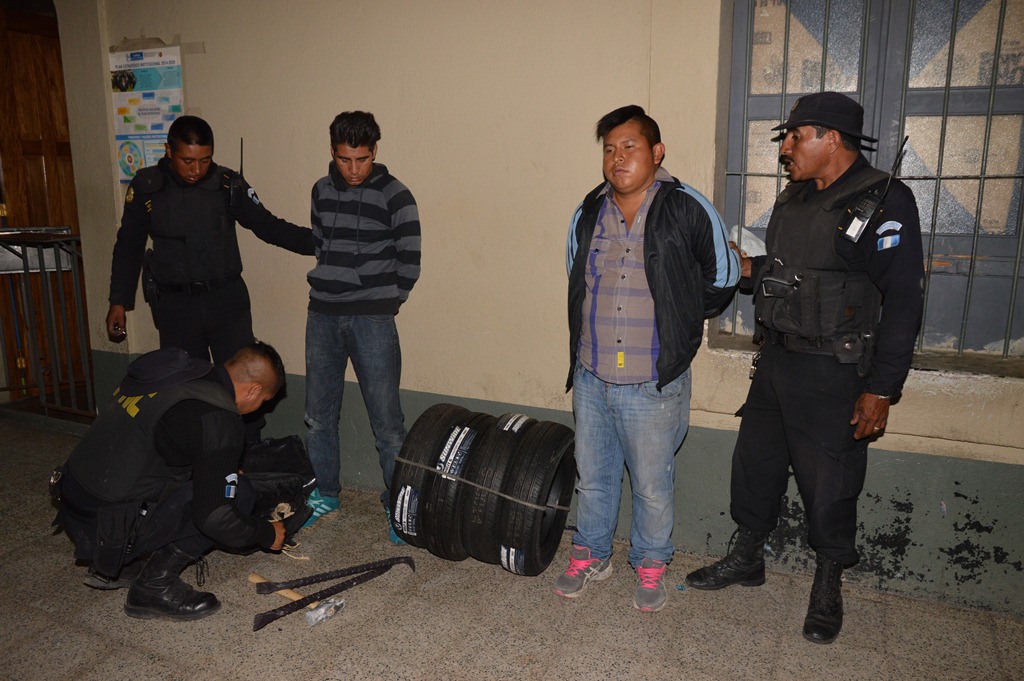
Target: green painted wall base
x,y
930,526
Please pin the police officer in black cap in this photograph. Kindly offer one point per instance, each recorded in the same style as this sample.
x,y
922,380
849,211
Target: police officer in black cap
x,y
157,474
838,301
189,205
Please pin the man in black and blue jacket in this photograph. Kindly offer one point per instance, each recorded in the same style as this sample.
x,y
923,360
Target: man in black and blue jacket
x,y
367,234
648,261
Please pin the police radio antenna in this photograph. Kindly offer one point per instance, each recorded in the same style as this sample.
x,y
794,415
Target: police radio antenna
x,y
899,155
236,186
896,163
863,208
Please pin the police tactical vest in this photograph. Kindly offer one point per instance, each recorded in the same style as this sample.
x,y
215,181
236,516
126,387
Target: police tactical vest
x,y
807,290
193,233
117,459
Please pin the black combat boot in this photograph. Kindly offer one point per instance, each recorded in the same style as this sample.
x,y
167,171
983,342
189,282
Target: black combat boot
x,y
825,611
158,592
744,564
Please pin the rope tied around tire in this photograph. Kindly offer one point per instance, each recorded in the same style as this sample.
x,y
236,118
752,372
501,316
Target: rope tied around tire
x,y
449,476
498,489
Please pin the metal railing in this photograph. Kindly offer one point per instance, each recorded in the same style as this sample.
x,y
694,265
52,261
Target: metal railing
x,y
48,254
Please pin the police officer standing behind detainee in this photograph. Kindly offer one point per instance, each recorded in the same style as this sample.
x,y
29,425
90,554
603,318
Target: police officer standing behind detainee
x,y
189,205
823,382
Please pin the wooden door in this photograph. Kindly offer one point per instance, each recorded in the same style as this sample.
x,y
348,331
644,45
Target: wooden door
x,y
37,187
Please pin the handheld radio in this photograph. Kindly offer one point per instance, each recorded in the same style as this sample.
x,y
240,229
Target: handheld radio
x,y
863,207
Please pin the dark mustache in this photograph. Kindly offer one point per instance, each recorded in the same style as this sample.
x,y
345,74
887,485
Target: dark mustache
x,y
783,159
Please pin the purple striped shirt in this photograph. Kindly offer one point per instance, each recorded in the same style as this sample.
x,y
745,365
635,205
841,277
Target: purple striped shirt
x,y
619,339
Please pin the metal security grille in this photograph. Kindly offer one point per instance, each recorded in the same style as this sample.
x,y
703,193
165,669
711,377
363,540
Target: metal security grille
x,y
948,73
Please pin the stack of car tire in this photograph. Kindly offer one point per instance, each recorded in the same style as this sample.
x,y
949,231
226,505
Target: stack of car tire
x,y
497,489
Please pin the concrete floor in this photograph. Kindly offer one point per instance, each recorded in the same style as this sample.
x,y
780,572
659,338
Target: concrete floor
x,y
446,620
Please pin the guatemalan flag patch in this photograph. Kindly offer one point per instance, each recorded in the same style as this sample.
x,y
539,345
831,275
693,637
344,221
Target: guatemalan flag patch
x,y
888,241
231,486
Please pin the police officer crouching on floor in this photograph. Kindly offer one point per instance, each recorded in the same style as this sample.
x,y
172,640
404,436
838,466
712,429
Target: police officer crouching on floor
x,y
838,301
158,471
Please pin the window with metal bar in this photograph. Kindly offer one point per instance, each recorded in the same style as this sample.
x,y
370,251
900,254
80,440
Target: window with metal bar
x,y
950,75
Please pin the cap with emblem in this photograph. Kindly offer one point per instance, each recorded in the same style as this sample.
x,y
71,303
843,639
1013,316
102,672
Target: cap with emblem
x,y
830,110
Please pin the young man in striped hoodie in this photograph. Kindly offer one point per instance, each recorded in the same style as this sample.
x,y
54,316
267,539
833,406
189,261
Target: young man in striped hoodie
x,y
367,235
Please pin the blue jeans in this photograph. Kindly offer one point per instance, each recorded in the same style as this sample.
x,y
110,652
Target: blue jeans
x,y
371,342
642,428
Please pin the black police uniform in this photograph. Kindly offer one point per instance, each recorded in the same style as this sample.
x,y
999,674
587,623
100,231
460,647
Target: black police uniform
x,y
202,302
817,298
160,466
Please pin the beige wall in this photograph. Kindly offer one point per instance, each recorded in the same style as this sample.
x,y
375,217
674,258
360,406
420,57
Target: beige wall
x,y
487,109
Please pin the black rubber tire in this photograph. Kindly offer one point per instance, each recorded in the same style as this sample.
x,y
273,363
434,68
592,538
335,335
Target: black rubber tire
x,y
543,473
410,484
441,522
480,508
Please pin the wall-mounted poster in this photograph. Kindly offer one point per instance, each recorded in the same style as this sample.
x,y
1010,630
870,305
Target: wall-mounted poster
x,y
147,93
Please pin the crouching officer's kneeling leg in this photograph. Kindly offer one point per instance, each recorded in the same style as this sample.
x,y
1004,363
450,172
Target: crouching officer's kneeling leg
x,y
159,592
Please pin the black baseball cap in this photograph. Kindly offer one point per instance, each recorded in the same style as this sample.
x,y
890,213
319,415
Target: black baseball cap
x,y
830,110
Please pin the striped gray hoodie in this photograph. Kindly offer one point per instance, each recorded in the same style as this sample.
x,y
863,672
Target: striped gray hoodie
x,y
367,242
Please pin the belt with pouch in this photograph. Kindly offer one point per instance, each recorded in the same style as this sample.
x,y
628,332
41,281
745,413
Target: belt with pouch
x,y
849,348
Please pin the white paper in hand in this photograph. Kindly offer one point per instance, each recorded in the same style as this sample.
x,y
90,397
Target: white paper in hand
x,y
751,245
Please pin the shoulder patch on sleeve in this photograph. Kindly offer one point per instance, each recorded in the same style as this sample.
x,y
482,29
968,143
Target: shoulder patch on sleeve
x,y
130,196
252,196
890,226
890,241
231,486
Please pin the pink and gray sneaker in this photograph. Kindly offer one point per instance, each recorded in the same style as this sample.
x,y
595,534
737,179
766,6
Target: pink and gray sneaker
x,y
582,569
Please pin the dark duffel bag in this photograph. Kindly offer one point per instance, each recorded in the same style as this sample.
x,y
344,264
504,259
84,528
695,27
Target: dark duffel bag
x,y
280,473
